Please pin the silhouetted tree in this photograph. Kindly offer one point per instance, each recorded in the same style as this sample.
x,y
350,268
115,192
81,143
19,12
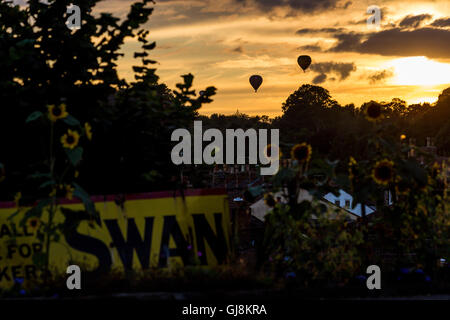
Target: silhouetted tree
x,y
43,63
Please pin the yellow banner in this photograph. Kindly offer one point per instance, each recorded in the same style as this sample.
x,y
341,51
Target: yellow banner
x,y
144,231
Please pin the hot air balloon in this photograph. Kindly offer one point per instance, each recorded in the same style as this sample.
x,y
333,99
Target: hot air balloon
x,y
304,62
256,82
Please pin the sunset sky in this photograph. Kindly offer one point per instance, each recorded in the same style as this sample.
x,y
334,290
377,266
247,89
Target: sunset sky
x,y
224,42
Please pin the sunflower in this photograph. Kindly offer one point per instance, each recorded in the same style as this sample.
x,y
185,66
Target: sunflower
x,y
88,130
69,192
383,172
268,151
269,200
52,193
70,139
57,112
374,111
215,151
33,224
301,152
435,169
402,187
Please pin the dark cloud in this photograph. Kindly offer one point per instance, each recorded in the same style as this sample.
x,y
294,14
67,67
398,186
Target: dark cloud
x,y
320,78
187,11
414,21
322,30
441,23
430,42
347,42
238,49
342,69
311,48
380,76
308,6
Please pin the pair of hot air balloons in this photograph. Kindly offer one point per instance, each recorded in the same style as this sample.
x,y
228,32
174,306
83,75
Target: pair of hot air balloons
x,y
303,61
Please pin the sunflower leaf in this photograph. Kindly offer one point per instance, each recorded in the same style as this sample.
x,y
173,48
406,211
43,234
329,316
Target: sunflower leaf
x,y
47,183
34,116
35,211
71,121
75,155
13,215
81,194
39,175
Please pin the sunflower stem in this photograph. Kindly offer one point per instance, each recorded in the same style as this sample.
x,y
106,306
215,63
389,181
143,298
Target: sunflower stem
x,y
51,211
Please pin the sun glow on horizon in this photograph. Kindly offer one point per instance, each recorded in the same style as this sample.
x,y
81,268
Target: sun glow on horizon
x,y
421,100
420,71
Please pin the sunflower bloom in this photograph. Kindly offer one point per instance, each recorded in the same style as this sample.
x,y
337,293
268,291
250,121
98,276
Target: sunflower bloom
x,y
301,152
215,151
33,224
57,112
435,169
70,139
268,152
374,112
383,172
52,193
269,200
88,130
69,192
402,187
